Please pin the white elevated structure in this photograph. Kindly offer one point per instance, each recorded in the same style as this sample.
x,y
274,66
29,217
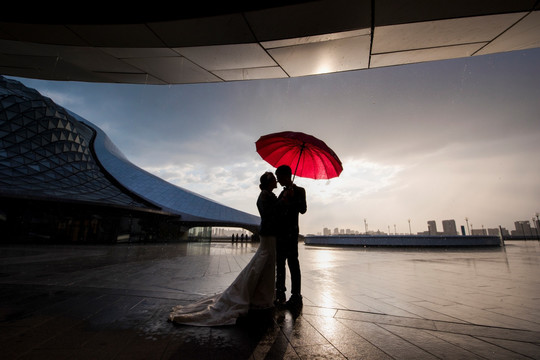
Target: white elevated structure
x,y
404,240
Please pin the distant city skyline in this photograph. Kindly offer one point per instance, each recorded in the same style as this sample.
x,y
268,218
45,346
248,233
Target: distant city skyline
x,y
450,227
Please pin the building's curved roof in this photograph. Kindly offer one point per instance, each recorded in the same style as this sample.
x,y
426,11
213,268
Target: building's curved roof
x,y
220,42
48,152
45,153
191,206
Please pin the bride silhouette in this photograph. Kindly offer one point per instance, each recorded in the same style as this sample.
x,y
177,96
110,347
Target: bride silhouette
x,y
253,289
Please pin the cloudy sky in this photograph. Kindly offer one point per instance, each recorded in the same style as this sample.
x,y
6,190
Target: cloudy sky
x,y
432,141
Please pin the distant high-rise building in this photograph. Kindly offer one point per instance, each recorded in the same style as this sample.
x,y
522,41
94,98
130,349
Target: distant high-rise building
x,y
327,232
449,227
536,223
523,228
432,227
478,232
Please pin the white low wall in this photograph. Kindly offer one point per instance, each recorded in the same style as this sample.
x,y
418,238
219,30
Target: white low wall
x,y
403,240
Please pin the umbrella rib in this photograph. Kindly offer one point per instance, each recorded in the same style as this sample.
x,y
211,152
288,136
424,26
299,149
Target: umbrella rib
x,y
285,154
299,157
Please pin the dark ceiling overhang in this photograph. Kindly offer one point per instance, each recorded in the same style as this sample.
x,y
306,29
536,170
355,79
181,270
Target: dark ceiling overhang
x,y
166,43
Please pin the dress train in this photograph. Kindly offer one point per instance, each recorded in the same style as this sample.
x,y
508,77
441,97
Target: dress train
x,y
252,289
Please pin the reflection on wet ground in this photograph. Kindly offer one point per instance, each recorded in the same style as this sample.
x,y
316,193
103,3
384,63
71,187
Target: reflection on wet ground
x,y
112,302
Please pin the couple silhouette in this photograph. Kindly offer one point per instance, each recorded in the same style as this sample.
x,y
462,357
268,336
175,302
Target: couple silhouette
x,y
260,286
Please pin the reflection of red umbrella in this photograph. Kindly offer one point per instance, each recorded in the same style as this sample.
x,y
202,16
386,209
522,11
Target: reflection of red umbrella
x,y
307,156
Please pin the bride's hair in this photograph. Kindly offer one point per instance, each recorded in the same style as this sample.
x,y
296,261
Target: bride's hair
x,y
265,180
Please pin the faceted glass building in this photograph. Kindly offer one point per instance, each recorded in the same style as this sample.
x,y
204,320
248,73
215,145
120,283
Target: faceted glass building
x,y
63,180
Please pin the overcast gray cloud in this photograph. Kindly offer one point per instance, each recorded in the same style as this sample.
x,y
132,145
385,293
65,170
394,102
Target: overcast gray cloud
x,y
431,141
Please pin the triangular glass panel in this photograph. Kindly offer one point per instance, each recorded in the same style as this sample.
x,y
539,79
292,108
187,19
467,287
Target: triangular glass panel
x,y
26,120
18,120
11,114
60,115
32,128
49,112
20,138
13,126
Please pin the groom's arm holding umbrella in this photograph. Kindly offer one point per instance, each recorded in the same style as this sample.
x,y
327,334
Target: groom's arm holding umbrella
x,y
293,198
296,198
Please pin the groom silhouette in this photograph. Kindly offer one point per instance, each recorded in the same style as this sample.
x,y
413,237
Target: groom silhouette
x,y
293,203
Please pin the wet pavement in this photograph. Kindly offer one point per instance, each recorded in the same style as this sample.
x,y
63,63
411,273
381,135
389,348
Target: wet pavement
x,y
112,302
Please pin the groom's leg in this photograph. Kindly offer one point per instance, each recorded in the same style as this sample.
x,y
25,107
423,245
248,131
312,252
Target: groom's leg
x,y
294,268
280,273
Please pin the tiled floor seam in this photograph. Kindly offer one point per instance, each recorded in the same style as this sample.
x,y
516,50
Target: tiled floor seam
x,y
324,337
471,329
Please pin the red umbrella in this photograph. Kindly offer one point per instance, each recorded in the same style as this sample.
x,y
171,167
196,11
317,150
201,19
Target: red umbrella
x,y
307,156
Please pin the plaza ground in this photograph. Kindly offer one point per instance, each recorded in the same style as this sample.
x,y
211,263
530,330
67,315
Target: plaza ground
x,y
112,302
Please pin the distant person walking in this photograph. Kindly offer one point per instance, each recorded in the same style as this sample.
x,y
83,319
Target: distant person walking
x,y
292,203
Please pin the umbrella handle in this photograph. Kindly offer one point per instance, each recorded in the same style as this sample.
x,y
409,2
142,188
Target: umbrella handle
x,y
299,156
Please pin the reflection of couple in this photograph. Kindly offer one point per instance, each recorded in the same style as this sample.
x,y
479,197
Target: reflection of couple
x,y
254,289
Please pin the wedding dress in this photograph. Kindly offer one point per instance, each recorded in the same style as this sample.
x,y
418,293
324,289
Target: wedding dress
x,y
254,288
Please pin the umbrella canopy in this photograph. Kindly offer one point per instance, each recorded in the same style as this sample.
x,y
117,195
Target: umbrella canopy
x,y
307,156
